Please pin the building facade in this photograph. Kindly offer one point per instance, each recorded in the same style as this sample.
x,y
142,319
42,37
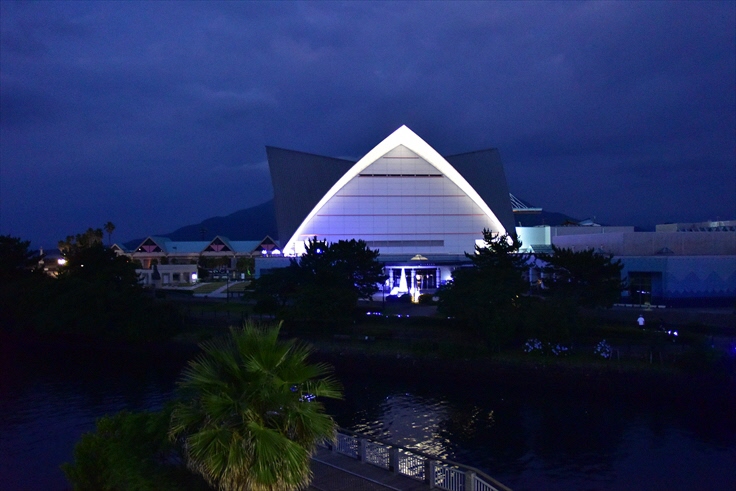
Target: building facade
x,y
421,210
178,262
693,265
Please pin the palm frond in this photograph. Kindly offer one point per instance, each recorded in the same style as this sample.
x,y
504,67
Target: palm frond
x,y
245,416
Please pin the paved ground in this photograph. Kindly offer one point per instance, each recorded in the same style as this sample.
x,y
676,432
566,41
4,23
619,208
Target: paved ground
x,y
337,472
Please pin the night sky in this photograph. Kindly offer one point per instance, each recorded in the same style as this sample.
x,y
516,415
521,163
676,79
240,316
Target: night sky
x,y
155,115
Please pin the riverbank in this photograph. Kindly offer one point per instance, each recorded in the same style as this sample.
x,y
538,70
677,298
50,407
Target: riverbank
x,y
403,338
602,379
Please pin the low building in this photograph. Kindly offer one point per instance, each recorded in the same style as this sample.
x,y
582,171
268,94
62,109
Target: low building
x,y
178,262
675,265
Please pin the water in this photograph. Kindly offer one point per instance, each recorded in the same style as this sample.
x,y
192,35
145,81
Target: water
x,y
555,434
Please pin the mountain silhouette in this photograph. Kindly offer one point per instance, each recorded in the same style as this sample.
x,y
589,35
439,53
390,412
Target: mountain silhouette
x,y
259,221
249,224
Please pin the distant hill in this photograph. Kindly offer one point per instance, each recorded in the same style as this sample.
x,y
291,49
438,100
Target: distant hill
x,y
550,218
259,221
249,224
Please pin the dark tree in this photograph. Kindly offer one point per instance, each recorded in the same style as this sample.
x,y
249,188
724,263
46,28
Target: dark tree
x,y
74,243
16,259
587,278
324,284
100,265
130,451
97,294
23,283
109,228
486,295
351,263
275,290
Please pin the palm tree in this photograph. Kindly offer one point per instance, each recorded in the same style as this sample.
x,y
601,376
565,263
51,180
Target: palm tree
x,y
249,417
109,227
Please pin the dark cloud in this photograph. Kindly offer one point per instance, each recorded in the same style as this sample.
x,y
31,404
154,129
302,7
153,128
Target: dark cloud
x,y
156,114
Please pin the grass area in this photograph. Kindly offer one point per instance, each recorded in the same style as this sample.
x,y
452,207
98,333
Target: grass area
x,y
210,287
239,287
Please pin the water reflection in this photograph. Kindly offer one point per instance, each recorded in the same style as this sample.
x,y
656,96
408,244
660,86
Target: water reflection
x,y
549,435
411,421
552,436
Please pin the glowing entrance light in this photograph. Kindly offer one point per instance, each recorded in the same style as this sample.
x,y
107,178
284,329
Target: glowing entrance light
x,y
403,287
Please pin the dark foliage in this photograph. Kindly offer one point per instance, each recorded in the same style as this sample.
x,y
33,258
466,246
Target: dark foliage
x,y
586,278
275,290
95,295
102,266
75,243
324,284
16,259
486,296
22,282
549,320
130,451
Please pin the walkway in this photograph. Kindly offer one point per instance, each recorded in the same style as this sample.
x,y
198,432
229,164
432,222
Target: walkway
x,y
336,472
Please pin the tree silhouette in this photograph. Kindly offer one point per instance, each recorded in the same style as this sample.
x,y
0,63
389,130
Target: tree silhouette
x,y
586,277
486,296
109,227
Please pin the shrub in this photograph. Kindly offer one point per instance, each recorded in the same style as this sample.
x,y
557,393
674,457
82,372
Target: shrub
x,y
130,451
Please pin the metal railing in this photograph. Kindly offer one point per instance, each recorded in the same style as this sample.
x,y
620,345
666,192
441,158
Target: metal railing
x,y
437,473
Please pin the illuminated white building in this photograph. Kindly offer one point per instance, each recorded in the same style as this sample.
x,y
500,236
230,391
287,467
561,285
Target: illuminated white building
x,y
421,210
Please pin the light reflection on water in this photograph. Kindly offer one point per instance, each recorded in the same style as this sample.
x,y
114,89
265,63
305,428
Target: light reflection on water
x,y
410,421
560,437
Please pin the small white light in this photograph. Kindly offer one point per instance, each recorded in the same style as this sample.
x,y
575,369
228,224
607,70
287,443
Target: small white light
x,y
61,261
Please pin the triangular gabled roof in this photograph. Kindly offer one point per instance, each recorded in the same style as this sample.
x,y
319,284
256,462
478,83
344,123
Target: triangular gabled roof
x,y
219,244
117,247
153,244
267,243
483,168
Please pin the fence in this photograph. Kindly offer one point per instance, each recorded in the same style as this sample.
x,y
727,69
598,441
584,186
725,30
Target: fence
x,y
437,473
